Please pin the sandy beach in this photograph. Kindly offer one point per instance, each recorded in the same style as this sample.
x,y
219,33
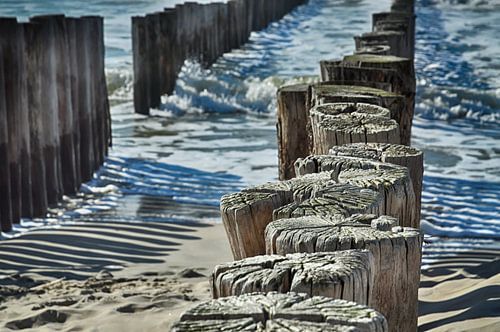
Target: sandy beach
x,y
69,279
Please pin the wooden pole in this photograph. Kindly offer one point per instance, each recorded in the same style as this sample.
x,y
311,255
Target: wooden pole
x,y
342,123
392,182
99,96
141,69
295,137
339,189
397,74
64,102
327,92
73,50
397,253
24,130
13,104
402,155
280,312
397,21
152,24
343,275
84,61
94,95
34,47
104,108
167,24
49,105
293,127
5,188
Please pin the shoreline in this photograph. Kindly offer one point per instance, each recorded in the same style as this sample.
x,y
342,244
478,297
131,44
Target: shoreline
x,y
160,281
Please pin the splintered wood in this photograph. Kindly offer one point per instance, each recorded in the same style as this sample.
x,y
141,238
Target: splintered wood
x,y
402,155
343,186
397,253
392,182
341,275
280,312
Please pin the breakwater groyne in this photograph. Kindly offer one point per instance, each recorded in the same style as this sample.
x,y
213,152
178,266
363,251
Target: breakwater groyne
x,y
163,41
55,126
343,222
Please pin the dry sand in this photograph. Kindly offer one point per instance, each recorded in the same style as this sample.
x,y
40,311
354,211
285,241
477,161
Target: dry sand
x,y
66,279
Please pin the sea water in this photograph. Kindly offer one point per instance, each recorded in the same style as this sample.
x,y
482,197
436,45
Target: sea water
x,y
216,133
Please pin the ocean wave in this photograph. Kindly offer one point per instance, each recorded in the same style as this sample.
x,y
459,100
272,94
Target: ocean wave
x,y
450,103
206,90
454,73
460,208
246,80
120,83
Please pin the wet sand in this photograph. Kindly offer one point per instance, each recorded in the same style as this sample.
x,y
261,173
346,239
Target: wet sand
x,y
67,279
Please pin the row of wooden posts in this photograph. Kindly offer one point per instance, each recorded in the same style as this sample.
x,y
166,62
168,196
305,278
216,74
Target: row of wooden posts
x,y
55,124
163,41
336,243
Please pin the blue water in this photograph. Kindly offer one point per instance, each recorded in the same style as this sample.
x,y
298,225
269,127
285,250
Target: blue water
x,y
217,134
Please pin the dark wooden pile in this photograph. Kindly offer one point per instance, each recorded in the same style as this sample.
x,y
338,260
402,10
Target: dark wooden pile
x,y
55,126
162,41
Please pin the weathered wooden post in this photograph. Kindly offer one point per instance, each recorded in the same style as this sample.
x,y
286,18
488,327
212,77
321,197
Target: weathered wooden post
x,y
152,23
343,275
64,104
5,191
85,102
49,105
99,101
397,21
24,128
397,74
402,155
104,115
280,312
326,92
141,69
164,45
34,46
293,127
397,253
392,182
295,137
342,123
344,187
396,40
13,78
233,17
73,49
